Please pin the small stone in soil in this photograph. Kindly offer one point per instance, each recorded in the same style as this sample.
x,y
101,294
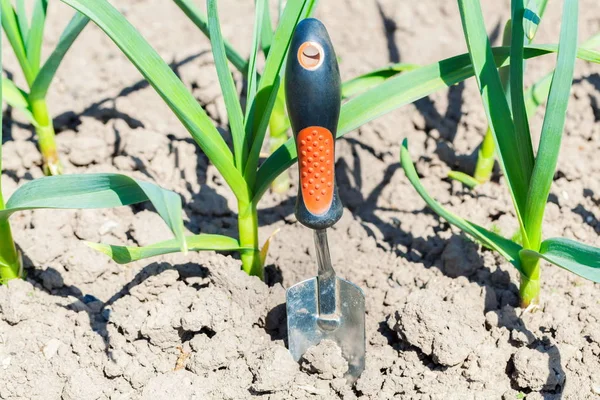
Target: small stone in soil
x,y
325,360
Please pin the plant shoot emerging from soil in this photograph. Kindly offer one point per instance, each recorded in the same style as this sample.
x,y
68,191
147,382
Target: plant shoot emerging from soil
x,y
25,35
529,177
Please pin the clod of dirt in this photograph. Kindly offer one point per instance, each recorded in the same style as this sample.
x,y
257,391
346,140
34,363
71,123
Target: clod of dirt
x,y
325,360
446,332
275,370
460,257
538,369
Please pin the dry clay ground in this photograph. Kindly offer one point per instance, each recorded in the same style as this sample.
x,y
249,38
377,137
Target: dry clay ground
x,y
442,315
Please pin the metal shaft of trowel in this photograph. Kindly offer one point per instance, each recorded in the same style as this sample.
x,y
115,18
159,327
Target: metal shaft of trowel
x,y
326,279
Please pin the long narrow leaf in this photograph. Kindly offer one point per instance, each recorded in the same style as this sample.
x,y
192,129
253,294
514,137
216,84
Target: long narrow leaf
x,y
96,191
495,105
269,82
371,79
203,242
517,102
17,98
36,34
44,78
395,92
167,85
266,30
505,247
554,122
252,76
200,20
22,19
13,33
571,255
230,95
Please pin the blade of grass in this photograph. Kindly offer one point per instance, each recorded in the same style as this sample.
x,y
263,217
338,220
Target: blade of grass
x,y
44,78
167,85
507,248
200,20
269,83
17,98
96,191
553,125
395,92
571,255
22,19
11,29
230,95
203,242
36,35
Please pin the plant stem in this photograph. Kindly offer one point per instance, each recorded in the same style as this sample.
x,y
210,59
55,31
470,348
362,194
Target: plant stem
x,y
248,231
279,124
46,137
485,158
10,266
529,290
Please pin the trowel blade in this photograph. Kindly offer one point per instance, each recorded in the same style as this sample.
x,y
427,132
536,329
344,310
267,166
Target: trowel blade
x,y
305,329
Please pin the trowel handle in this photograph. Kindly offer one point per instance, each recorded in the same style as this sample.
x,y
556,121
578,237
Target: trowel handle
x,y
313,96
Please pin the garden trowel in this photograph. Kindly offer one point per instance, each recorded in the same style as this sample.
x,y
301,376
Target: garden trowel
x,y
326,306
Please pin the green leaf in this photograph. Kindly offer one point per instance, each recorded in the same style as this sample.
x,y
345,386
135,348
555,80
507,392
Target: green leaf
x,y
44,78
554,122
266,30
167,85
252,75
260,112
36,35
371,79
463,178
203,242
517,102
393,93
13,33
200,20
96,191
230,95
503,246
22,19
579,258
531,19
17,98
510,145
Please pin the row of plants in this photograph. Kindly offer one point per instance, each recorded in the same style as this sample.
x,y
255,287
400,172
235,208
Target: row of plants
x,y
366,98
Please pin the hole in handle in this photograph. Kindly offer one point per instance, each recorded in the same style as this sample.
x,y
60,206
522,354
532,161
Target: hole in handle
x,y
310,55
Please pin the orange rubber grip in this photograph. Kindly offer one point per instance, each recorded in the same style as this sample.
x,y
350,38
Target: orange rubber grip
x,y
316,156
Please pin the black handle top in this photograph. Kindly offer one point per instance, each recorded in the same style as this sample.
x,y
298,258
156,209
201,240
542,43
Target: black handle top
x,y
313,96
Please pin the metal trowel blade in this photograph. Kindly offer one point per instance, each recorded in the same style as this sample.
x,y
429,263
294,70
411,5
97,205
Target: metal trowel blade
x,y
307,328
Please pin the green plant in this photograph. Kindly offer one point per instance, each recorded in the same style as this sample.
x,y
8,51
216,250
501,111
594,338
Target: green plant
x,y
239,166
486,156
88,191
26,38
529,177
